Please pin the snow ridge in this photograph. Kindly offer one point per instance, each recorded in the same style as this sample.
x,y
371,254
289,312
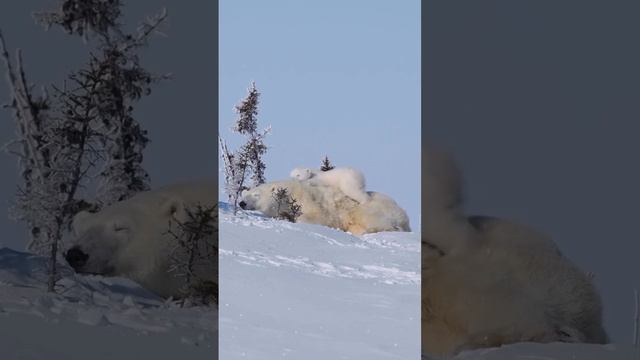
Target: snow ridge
x,y
93,317
305,291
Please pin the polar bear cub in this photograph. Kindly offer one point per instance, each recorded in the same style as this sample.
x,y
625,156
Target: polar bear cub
x,y
349,180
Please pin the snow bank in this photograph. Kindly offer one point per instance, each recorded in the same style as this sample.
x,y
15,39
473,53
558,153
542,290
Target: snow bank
x,y
94,317
304,291
554,351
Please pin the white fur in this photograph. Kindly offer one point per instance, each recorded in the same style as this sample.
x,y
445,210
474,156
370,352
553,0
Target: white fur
x,y
350,181
328,205
489,282
130,238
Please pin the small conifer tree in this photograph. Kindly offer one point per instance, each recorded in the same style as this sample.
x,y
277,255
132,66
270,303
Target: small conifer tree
x,y
247,124
247,161
287,208
62,140
195,253
326,164
108,88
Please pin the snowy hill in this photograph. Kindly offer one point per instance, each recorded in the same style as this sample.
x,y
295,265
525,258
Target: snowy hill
x,y
555,351
296,291
93,317
303,291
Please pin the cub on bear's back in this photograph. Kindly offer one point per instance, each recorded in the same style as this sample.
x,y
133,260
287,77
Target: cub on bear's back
x,y
130,238
348,180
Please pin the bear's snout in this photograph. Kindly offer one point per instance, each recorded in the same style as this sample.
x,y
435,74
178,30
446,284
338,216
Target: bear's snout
x,y
242,204
76,257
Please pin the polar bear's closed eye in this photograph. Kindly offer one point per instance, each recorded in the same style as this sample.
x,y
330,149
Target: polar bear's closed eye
x,y
120,227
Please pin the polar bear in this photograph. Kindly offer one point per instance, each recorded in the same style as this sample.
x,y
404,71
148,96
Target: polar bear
x,y
130,238
327,205
349,180
488,281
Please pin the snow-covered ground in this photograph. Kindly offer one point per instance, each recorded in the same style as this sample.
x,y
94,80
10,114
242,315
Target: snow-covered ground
x,y
555,351
93,317
295,291
302,291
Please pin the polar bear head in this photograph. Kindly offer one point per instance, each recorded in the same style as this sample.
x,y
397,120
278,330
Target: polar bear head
x,y
261,198
129,238
301,173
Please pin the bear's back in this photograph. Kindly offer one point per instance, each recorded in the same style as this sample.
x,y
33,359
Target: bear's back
x,y
543,273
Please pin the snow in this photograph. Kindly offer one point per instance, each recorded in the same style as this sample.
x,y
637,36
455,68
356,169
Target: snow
x,y
554,351
94,317
296,291
304,291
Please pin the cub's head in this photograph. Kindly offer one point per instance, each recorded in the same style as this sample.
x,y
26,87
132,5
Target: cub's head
x,y
301,173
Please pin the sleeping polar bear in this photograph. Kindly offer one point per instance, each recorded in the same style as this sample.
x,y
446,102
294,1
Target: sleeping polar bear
x,y
327,205
487,282
350,181
130,238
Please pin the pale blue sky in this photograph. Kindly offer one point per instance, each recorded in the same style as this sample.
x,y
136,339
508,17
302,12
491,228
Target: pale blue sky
x,y
340,78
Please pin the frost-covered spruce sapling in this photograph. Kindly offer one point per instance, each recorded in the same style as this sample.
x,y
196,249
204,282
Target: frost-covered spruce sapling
x,y
62,140
111,83
247,161
287,207
55,154
326,164
247,124
195,248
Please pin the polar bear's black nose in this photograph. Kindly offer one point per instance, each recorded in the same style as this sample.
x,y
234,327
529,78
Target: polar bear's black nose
x,y
242,204
76,257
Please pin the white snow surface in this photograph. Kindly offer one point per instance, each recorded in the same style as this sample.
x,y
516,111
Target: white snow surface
x,y
304,291
94,317
553,351
296,291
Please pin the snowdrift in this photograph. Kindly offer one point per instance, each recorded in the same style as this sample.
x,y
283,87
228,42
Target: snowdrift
x,y
304,291
554,351
296,291
94,317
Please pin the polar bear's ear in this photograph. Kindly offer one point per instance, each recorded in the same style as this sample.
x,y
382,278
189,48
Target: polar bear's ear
x,y
79,222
